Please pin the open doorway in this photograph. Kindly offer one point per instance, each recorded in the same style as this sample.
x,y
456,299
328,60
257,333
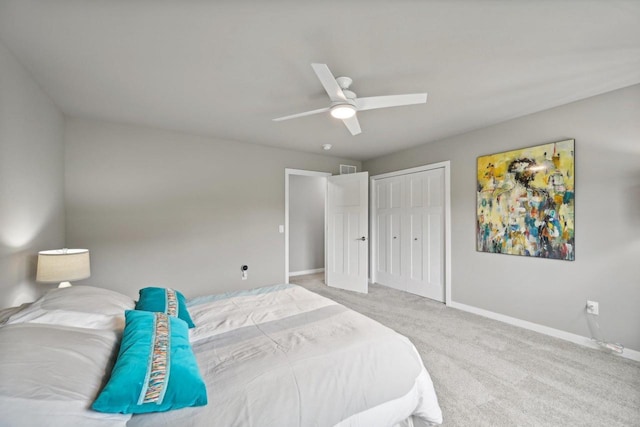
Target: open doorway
x,y
305,222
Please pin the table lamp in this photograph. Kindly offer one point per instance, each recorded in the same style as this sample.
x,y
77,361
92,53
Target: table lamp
x,y
63,266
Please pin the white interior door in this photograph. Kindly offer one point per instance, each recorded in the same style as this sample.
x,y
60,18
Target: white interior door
x,y
347,263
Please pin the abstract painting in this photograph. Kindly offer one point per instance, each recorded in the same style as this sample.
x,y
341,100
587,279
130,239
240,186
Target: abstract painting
x,y
526,202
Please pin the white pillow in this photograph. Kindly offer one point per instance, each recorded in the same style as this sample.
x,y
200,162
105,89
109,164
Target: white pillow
x,y
78,306
6,313
50,375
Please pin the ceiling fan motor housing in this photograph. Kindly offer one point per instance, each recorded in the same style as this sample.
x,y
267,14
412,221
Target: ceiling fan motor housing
x,y
344,82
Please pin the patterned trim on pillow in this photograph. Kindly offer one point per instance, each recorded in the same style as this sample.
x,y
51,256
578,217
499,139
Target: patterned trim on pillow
x,y
157,377
172,303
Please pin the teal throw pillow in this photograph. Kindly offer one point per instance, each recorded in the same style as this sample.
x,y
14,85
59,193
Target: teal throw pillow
x,y
156,369
164,300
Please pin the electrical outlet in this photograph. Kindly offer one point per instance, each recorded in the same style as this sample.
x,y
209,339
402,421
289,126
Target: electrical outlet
x,y
592,308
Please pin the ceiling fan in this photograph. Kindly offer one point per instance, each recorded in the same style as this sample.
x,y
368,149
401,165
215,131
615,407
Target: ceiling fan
x,y
345,103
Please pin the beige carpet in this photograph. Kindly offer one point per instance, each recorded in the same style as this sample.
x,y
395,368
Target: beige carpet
x,y
487,373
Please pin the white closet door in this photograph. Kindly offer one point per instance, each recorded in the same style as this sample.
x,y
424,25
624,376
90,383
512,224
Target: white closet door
x,y
424,234
409,250
388,249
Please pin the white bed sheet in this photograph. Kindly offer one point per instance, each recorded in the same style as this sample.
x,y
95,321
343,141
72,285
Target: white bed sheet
x,y
50,375
284,356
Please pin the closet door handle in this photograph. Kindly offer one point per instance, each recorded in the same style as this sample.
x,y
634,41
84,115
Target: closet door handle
x,y
362,238
415,238
395,237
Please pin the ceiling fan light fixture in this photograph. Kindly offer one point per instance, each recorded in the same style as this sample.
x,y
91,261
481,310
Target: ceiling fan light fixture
x,y
343,111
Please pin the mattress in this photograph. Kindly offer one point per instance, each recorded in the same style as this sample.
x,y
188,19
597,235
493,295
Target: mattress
x,y
273,356
284,356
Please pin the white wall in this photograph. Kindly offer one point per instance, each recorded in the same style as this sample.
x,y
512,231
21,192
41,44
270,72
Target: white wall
x,y
31,180
607,266
306,222
171,209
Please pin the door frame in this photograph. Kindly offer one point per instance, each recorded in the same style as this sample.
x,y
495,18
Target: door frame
x,y
287,173
446,165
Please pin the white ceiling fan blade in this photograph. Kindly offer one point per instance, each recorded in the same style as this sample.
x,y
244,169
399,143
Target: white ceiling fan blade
x,y
306,113
373,102
329,82
352,124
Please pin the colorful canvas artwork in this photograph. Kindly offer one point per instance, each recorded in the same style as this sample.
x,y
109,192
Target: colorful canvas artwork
x,y
526,202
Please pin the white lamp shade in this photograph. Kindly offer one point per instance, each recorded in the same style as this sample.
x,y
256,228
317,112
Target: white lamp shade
x,y
63,265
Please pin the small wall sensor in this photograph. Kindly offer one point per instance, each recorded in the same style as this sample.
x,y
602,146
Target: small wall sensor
x,y
244,269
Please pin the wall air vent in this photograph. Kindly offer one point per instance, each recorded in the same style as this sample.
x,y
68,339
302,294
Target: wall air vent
x,y
346,169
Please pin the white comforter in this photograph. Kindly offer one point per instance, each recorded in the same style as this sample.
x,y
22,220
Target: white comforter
x,y
283,356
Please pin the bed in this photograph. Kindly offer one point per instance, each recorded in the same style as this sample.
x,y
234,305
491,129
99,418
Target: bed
x,y
273,356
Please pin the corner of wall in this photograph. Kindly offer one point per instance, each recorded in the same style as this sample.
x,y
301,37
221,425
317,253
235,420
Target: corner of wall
x,y
32,177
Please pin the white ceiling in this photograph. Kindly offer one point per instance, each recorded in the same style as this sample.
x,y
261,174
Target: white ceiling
x,y
226,68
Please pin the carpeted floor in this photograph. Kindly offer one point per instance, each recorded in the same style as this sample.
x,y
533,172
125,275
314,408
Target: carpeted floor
x,y
488,373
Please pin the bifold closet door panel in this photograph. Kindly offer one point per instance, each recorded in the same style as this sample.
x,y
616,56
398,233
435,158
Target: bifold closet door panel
x,y
425,229
414,217
388,232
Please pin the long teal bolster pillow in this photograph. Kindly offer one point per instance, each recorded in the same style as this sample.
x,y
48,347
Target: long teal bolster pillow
x,y
156,369
164,300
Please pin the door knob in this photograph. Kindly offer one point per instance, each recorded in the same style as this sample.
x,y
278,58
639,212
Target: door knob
x,y
415,238
395,237
362,238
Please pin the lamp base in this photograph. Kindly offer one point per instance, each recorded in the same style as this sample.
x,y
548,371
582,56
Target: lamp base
x,y
64,285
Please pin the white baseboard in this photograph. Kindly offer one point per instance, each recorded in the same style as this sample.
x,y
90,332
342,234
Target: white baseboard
x,y
303,272
557,333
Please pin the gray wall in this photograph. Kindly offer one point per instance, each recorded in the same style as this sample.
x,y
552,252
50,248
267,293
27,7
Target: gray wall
x,y
31,180
170,209
306,222
607,266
